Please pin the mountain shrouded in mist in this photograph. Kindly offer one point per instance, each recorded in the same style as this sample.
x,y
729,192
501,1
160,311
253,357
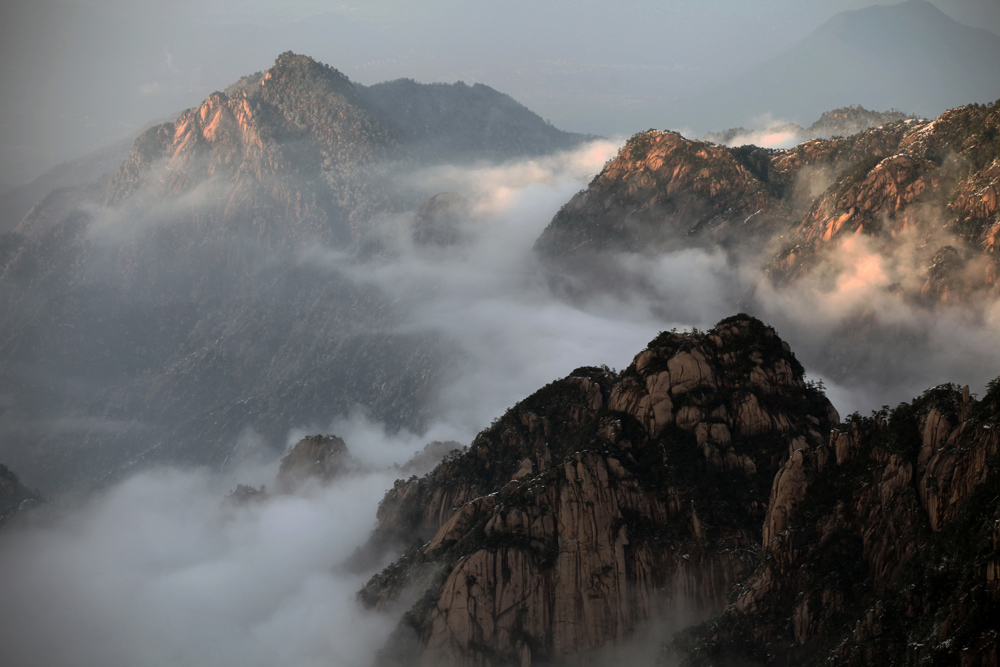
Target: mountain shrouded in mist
x,y
909,56
876,235
165,310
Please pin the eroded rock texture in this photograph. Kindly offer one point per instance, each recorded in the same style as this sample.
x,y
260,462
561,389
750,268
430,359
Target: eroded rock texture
x,y
882,546
928,186
567,524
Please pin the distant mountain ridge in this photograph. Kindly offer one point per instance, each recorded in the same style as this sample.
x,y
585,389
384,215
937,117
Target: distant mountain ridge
x,y
456,119
837,122
908,56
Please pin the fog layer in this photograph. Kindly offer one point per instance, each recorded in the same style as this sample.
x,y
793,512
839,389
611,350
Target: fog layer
x,y
158,569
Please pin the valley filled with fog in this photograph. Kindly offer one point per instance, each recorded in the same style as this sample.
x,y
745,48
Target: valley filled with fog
x,y
159,568
505,322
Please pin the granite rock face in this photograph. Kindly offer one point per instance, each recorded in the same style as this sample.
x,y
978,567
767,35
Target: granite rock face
x,y
662,192
881,546
320,457
597,502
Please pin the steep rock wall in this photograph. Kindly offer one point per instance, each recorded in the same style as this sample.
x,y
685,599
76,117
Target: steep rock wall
x,y
881,546
597,502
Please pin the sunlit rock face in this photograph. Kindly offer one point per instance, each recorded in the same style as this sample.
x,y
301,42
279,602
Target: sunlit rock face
x,y
920,193
286,155
881,546
662,192
597,502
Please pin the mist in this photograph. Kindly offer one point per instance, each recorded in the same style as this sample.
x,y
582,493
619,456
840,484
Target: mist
x,y
158,569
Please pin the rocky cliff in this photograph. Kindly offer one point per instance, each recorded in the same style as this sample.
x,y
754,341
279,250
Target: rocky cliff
x,y
929,186
881,546
597,502
662,192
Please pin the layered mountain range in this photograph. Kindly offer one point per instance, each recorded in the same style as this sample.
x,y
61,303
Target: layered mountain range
x,y
198,302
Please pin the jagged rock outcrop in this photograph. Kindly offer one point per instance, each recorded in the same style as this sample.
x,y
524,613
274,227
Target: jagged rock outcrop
x,y
880,547
15,497
660,192
929,186
439,220
567,524
913,189
321,457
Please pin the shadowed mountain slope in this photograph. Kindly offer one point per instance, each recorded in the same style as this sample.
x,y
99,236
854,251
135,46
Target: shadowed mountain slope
x,y
456,120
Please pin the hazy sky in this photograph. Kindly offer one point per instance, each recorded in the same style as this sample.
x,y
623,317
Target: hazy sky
x,y
77,75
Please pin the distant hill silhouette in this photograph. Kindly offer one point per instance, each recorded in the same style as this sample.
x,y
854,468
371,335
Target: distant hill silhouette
x,y
908,56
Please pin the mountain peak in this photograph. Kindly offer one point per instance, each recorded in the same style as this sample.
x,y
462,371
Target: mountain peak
x,y
293,63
